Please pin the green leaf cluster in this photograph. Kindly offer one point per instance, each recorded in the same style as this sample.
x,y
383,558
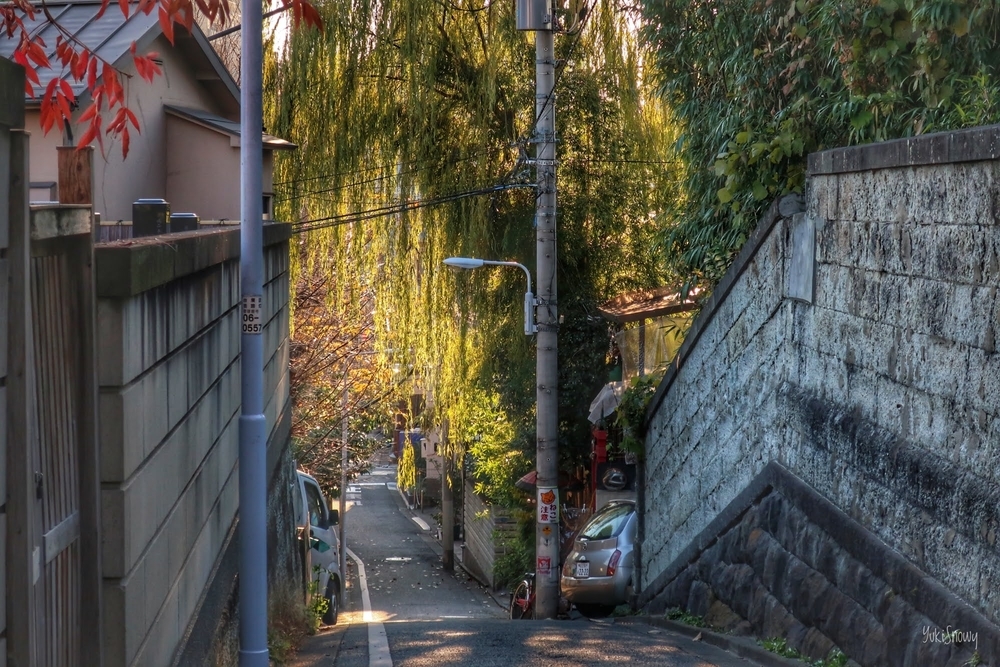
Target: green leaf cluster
x,y
759,84
631,412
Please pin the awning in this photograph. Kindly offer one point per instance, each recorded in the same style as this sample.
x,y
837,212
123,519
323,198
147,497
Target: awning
x,y
606,401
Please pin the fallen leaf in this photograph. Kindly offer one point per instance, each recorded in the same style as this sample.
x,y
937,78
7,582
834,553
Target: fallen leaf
x,y
697,637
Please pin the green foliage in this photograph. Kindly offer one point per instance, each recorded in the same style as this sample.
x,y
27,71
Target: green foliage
x,y
624,610
835,659
780,646
518,554
406,475
631,411
681,616
501,450
757,85
317,606
413,100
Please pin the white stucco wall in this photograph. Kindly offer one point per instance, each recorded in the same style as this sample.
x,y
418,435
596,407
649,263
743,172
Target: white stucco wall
x,y
203,171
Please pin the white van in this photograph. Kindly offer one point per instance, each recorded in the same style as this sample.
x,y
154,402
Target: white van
x,y
324,552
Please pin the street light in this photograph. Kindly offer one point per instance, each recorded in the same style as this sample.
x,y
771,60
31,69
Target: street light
x,y
529,297
547,432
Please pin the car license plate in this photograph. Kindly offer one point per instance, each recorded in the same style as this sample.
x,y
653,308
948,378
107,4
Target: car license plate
x,y
582,569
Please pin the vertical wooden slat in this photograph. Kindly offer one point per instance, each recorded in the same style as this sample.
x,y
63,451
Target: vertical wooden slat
x,y
89,590
23,535
64,319
55,397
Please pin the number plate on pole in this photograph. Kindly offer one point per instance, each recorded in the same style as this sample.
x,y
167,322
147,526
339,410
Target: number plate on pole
x,y
252,320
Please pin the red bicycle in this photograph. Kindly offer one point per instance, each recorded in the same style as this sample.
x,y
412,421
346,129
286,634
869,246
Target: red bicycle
x,y
522,600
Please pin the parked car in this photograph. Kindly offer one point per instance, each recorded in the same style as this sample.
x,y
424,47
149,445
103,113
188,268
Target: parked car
x,y
597,572
324,545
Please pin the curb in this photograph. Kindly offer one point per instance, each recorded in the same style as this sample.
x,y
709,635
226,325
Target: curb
x,y
744,647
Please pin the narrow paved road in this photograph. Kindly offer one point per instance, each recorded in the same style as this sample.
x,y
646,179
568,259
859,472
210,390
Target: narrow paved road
x,y
422,616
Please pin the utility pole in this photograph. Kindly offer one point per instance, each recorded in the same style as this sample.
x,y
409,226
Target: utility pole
x,y
343,487
447,509
538,15
253,423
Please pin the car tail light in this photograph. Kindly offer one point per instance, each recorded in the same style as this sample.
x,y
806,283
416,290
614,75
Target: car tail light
x,y
613,563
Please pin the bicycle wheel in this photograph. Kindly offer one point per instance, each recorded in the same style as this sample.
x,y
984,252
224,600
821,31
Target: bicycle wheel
x,y
521,604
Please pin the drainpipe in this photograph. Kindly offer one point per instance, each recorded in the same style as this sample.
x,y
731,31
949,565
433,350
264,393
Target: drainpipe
x,y
253,424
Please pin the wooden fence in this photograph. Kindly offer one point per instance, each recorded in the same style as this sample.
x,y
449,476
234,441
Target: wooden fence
x,y
52,575
487,529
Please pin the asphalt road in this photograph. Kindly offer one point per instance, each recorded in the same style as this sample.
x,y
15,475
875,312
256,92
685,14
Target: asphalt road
x,y
422,616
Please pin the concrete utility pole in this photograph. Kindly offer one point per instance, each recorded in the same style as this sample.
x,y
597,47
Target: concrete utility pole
x,y
343,488
538,15
447,512
253,423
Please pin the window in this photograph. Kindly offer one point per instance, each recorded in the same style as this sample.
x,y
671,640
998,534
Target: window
x,y
609,522
266,208
317,507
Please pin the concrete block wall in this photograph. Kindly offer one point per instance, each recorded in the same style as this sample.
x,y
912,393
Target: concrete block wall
x,y
169,373
881,391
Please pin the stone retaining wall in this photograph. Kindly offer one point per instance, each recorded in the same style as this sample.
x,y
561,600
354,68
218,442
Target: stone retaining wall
x,y
855,344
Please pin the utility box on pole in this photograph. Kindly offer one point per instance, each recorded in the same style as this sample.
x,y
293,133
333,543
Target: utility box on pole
x,y
534,14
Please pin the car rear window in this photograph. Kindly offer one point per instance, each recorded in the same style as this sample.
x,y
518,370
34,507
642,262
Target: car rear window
x,y
608,522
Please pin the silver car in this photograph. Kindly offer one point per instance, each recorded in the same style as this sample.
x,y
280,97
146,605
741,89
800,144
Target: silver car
x,y
597,573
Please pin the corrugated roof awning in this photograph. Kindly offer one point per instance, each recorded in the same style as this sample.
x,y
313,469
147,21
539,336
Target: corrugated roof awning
x,y
649,303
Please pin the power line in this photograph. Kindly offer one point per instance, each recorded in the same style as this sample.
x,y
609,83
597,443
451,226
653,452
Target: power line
x,y
383,168
394,209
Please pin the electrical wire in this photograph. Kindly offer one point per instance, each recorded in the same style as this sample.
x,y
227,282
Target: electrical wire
x,y
394,209
369,181
384,168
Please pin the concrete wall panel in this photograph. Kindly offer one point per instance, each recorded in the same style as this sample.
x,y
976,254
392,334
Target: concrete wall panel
x,y
170,401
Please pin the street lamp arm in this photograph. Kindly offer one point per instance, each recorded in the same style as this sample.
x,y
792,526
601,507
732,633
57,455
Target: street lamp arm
x,y
529,298
527,274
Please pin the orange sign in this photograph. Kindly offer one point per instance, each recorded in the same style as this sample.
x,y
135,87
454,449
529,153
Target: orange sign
x,y
548,505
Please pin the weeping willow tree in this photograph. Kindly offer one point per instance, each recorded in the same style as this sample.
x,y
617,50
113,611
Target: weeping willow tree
x,y
413,120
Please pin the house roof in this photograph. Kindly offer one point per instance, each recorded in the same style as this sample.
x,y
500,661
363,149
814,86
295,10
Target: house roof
x,y
644,304
110,37
223,125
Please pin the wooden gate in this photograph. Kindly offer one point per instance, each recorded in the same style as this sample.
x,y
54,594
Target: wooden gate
x,y
52,548
62,329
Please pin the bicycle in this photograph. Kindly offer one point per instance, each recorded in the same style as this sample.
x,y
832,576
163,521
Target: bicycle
x,y
522,600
